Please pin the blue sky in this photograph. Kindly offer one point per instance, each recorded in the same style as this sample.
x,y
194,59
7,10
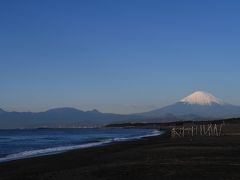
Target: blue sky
x,y
117,56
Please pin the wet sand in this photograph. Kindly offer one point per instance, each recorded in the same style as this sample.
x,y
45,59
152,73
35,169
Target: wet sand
x,y
161,157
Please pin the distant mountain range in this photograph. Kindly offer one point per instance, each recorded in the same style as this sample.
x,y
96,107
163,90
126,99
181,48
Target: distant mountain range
x,y
60,117
197,106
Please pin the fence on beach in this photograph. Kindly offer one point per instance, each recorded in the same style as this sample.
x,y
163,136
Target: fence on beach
x,y
197,130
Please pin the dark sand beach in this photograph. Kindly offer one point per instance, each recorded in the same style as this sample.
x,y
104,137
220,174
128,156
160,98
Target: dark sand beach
x,y
158,157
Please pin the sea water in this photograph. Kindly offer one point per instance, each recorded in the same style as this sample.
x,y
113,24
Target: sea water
x,y
25,143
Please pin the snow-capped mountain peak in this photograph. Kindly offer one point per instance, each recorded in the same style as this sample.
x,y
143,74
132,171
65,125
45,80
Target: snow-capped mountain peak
x,y
202,98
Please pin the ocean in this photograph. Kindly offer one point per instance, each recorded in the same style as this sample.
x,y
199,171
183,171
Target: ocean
x,y
25,143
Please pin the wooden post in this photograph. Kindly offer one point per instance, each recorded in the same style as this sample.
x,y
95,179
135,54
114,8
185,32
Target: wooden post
x,y
220,129
210,130
183,131
204,130
173,133
215,130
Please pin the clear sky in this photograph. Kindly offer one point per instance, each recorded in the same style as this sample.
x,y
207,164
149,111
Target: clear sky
x,y
117,56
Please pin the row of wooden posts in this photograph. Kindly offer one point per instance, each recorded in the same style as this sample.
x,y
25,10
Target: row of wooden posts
x,y
197,130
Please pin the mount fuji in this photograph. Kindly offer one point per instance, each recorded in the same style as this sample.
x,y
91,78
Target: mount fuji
x,y
196,106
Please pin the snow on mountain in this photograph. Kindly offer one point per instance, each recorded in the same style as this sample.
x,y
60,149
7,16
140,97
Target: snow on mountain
x,y
202,98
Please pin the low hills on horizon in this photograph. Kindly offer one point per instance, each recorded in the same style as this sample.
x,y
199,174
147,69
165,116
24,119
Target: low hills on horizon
x,y
197,106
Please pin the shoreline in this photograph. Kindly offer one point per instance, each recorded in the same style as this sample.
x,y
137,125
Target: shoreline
x,y
64,149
